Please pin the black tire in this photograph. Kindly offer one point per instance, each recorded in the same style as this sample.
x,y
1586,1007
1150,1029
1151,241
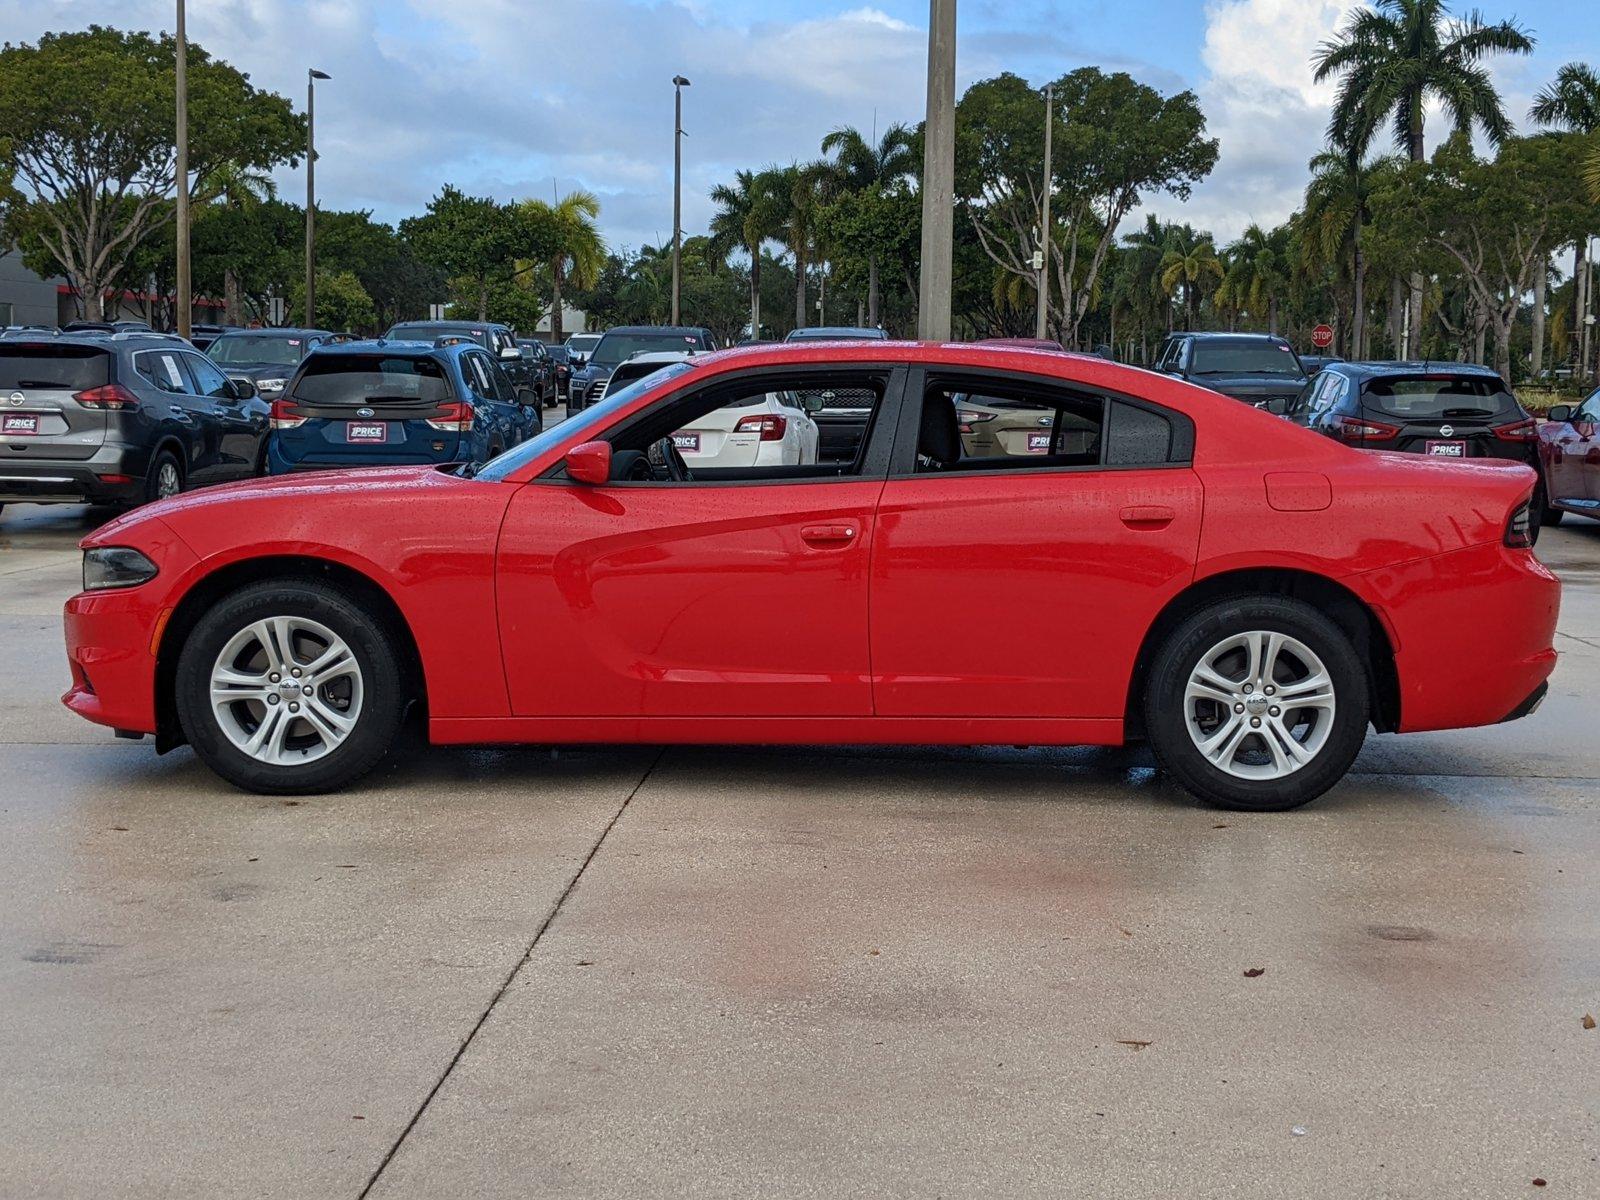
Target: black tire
x,y
385,687
153,485
1167,721
1543,513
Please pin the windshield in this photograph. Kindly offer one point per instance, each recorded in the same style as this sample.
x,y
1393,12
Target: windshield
x,y
367,378
421,331
581,343
1245,358
1459,397
258,348
583,422
619,347
836,335
72,368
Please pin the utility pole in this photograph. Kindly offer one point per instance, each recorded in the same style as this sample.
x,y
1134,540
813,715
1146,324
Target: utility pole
x,y
678,84
1041,321
184,282
312,75
938,176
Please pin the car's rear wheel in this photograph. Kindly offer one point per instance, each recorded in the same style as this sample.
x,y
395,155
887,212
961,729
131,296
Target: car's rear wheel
x,y
290,687
1257,703
164,478
1543,512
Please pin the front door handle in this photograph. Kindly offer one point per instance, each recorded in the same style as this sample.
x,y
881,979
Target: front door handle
x,y
1147,516
828,535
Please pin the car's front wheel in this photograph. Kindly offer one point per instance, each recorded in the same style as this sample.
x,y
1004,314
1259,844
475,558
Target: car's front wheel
x,y
1257,703
290,687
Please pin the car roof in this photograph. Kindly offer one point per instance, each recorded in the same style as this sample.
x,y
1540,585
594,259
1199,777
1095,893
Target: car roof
x,y
660,356
451,324
1201,335
140,340
842,332
276,331
663,330
397,347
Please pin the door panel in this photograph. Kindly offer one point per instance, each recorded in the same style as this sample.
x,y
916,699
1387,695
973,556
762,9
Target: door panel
x,y
1024,593
687,600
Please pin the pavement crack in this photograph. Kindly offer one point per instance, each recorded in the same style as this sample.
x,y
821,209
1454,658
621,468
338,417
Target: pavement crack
x,y
483,1017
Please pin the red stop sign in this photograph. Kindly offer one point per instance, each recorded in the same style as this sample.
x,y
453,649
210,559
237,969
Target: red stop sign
x,y
1322,336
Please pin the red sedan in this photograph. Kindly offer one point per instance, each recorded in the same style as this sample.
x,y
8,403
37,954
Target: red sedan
x,y
1153,561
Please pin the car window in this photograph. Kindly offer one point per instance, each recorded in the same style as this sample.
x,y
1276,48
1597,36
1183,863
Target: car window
x,y
209,380
500,386
1436,395
338,378
1590,410
472,369
1022,427
72,368
161,369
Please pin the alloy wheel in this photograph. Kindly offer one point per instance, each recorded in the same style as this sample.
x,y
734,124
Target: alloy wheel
x,y
286,690
168,481
1259,705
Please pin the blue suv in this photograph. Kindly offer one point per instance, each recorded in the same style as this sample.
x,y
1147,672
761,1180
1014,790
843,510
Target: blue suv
x,y
382,403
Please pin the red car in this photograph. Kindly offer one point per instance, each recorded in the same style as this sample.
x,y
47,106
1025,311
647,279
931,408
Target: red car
x,y
1158,562
1569,455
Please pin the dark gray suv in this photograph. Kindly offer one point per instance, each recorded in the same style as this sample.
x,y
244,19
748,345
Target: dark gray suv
x,y
120,419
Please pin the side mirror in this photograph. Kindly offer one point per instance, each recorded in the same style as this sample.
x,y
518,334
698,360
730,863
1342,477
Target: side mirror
x,y
1560,413
527,397
510,353
590,463
811,402
243,389
1277,406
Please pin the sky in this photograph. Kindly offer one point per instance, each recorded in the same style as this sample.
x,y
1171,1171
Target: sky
x,y
516,98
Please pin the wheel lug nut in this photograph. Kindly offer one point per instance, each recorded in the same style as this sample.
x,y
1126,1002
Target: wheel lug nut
x,y
273,677
1255,722
296,708
1275,711
272,699
1238,708
296,672
1271,690
1248,689
306,688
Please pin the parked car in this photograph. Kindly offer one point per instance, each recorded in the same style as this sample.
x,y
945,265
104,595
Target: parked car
x,y
580,346
1243,594
201,336
266,357
836,333
120,419
537,354
998,426
1022,343
499,340
384,403
1257,368
1312,364
1569,459
622,343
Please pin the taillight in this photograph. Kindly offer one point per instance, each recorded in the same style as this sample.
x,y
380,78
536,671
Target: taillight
x,y
454,417
1359,429
1522,431
769,427
967,419
1519,529
112,397
286,414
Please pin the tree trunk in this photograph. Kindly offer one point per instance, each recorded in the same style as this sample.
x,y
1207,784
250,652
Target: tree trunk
x,y
1272,316
1480,335
232,298
92,296
1358,298
1541,274
1502,343
799,290
557,270
1579,258
1397,300
483,300
872,290
1417,154
755,293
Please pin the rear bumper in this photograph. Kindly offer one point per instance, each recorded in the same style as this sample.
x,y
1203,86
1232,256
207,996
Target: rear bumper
x,y
74,481
1474,630
378,456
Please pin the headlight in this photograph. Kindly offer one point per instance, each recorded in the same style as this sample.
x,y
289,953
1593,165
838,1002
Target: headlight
x,y
270,385
115,567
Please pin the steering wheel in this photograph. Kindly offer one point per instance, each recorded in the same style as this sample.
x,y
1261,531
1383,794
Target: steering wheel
x,y
666,464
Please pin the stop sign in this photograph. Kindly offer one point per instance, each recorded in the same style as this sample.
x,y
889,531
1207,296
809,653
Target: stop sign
x,y
1322,336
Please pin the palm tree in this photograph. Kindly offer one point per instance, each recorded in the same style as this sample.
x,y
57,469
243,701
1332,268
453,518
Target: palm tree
x,y
1391,59
239,189
798,190
1139,283
1188,262
580,253
747,215
860,166
1258,271
1572,103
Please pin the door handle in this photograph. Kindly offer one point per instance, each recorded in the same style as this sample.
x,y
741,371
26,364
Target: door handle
x,y
1147,516
828,535
178,411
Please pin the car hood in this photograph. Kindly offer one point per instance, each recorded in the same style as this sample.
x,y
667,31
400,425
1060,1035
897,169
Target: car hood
x,y
257,370
1253,386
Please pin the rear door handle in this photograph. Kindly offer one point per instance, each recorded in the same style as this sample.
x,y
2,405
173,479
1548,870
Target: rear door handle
x,y
828,535
1147,516
178,411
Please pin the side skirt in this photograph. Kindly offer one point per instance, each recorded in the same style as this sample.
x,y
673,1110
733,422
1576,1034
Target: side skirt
x,y
759,731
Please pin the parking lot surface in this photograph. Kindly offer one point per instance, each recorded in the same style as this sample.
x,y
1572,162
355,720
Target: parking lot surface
x,y
812,972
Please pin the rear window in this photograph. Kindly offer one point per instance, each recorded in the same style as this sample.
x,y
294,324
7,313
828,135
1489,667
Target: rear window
x,y
1458,396
1245,358
371,378
70,368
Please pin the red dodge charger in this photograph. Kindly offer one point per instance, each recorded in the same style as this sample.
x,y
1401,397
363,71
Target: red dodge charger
x,y
1129,558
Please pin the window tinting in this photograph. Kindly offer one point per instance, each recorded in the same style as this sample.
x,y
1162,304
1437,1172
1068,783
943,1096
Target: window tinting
x,y
72,368
1136,436
365,378
258,348
1432,396
1244,358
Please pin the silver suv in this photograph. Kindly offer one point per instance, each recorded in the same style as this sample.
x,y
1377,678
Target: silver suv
x,y
120,419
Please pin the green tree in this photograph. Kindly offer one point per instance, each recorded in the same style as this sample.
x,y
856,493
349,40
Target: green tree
x,y
1258,272
1572,103
1391,59
1189,265
88,131
861,167
473,241
748,215
577,251
799,192
342,303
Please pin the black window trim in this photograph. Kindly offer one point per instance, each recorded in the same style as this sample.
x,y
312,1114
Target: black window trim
x,y
1180,453
875,456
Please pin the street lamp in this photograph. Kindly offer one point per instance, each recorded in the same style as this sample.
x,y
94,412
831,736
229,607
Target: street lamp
x,y
938,176
312,75
678,84
1043,315
184,283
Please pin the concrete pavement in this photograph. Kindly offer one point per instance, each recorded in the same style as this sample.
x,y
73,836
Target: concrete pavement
x,y
793,972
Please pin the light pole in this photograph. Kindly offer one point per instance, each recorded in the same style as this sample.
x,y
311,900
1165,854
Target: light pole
x,y
678,84
1043,316
938,175
312,75
184,282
